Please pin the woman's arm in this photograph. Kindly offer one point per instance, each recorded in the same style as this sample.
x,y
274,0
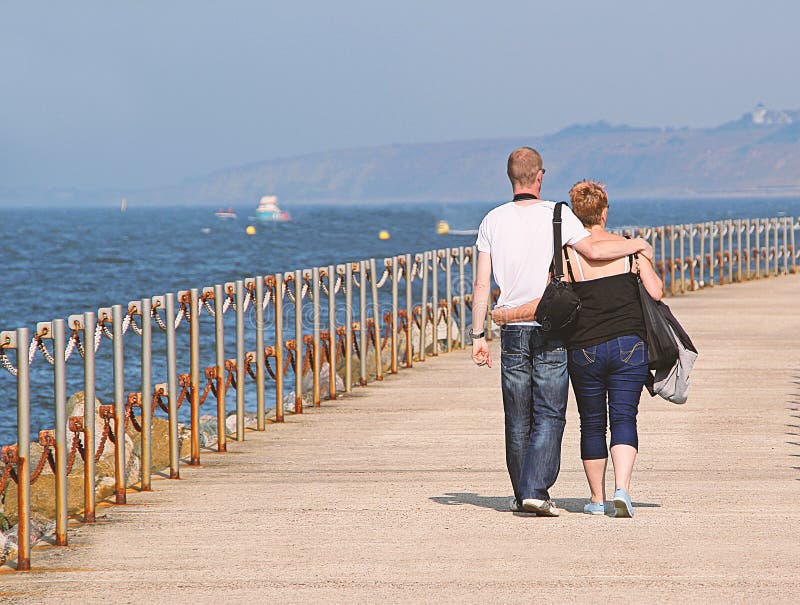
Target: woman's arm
x,y
652,282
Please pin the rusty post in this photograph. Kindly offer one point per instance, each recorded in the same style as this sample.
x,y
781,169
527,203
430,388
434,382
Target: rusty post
x,y
147,393
241,374
219,362
315,294
348,327
278,298
298,339
409,279
120,475
435,302
89,324
332,332
194,373
393,329
23,451
423,318
260,353
172,388
376,318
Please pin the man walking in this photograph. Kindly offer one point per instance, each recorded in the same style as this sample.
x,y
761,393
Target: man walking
x,y
515,243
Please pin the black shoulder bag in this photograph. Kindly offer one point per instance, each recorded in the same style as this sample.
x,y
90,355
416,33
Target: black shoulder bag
x,y
558,308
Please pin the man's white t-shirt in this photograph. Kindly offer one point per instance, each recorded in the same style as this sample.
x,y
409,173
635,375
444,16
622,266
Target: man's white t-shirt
x,y
520,242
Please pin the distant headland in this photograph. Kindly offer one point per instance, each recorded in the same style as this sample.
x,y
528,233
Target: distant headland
x,y
757,155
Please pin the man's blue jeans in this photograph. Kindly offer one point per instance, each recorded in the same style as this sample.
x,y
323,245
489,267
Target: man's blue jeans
x,y
535,384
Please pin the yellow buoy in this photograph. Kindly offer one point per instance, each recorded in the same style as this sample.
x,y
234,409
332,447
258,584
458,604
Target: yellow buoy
x,y
442,228
250,230
384,235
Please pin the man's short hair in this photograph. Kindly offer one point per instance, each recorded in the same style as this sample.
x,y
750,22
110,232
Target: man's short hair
x,y
589,199
523,166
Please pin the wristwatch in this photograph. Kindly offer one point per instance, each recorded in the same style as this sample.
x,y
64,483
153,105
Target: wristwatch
x,y
473,336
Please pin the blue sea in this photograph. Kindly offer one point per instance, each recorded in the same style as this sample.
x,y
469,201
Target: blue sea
x,y
59,261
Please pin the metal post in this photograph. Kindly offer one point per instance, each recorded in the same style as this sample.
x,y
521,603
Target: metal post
x,y
298,339
784,222
409,273
682,257
23,451
376,319
315,294
448,265
120,474
435,302
260,354
792,243
219,361
241,374
775,240
278,298
55,330
671,260
147,393
757,255
363,341
423,316
332,341
89,397
194,374
462,304
739,250
172,389
348,328
393,332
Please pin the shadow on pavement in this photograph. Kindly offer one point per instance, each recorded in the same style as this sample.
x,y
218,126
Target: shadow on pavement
x,y
500,503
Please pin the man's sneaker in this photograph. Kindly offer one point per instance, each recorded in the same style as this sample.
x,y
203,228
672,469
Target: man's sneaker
x,y
543,508
595,508
514,506
622,504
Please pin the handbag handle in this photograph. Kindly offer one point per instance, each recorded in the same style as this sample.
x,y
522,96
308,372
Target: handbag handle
x,y
558,266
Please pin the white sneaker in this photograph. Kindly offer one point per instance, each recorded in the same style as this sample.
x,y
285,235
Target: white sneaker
x,y
543,508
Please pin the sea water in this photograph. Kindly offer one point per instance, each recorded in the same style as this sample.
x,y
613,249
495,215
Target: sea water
x,y
59,261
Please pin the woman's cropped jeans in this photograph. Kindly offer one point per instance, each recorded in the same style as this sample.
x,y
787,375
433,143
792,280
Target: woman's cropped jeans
x,y
614,372
535,385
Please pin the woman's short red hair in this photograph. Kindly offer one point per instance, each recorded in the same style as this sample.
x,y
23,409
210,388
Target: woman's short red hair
x,y
589,199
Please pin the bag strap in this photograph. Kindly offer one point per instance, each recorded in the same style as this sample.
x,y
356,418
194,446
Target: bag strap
x,y
569,264
558,266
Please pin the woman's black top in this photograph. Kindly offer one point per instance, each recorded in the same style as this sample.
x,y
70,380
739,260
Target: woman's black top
x,y
610,307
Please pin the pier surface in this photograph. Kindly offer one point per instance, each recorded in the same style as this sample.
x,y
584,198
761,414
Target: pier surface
x,y
399,493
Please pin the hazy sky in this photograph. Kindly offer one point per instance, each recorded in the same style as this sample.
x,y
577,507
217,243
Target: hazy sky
x,y
137,94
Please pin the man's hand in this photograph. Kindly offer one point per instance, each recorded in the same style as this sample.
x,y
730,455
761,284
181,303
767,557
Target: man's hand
x,y
480,352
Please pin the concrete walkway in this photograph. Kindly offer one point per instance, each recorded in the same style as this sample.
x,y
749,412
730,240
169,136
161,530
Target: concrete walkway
x,y
399,494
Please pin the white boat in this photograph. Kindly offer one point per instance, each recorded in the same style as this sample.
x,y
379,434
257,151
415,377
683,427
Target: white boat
x,y
268,210
225,214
